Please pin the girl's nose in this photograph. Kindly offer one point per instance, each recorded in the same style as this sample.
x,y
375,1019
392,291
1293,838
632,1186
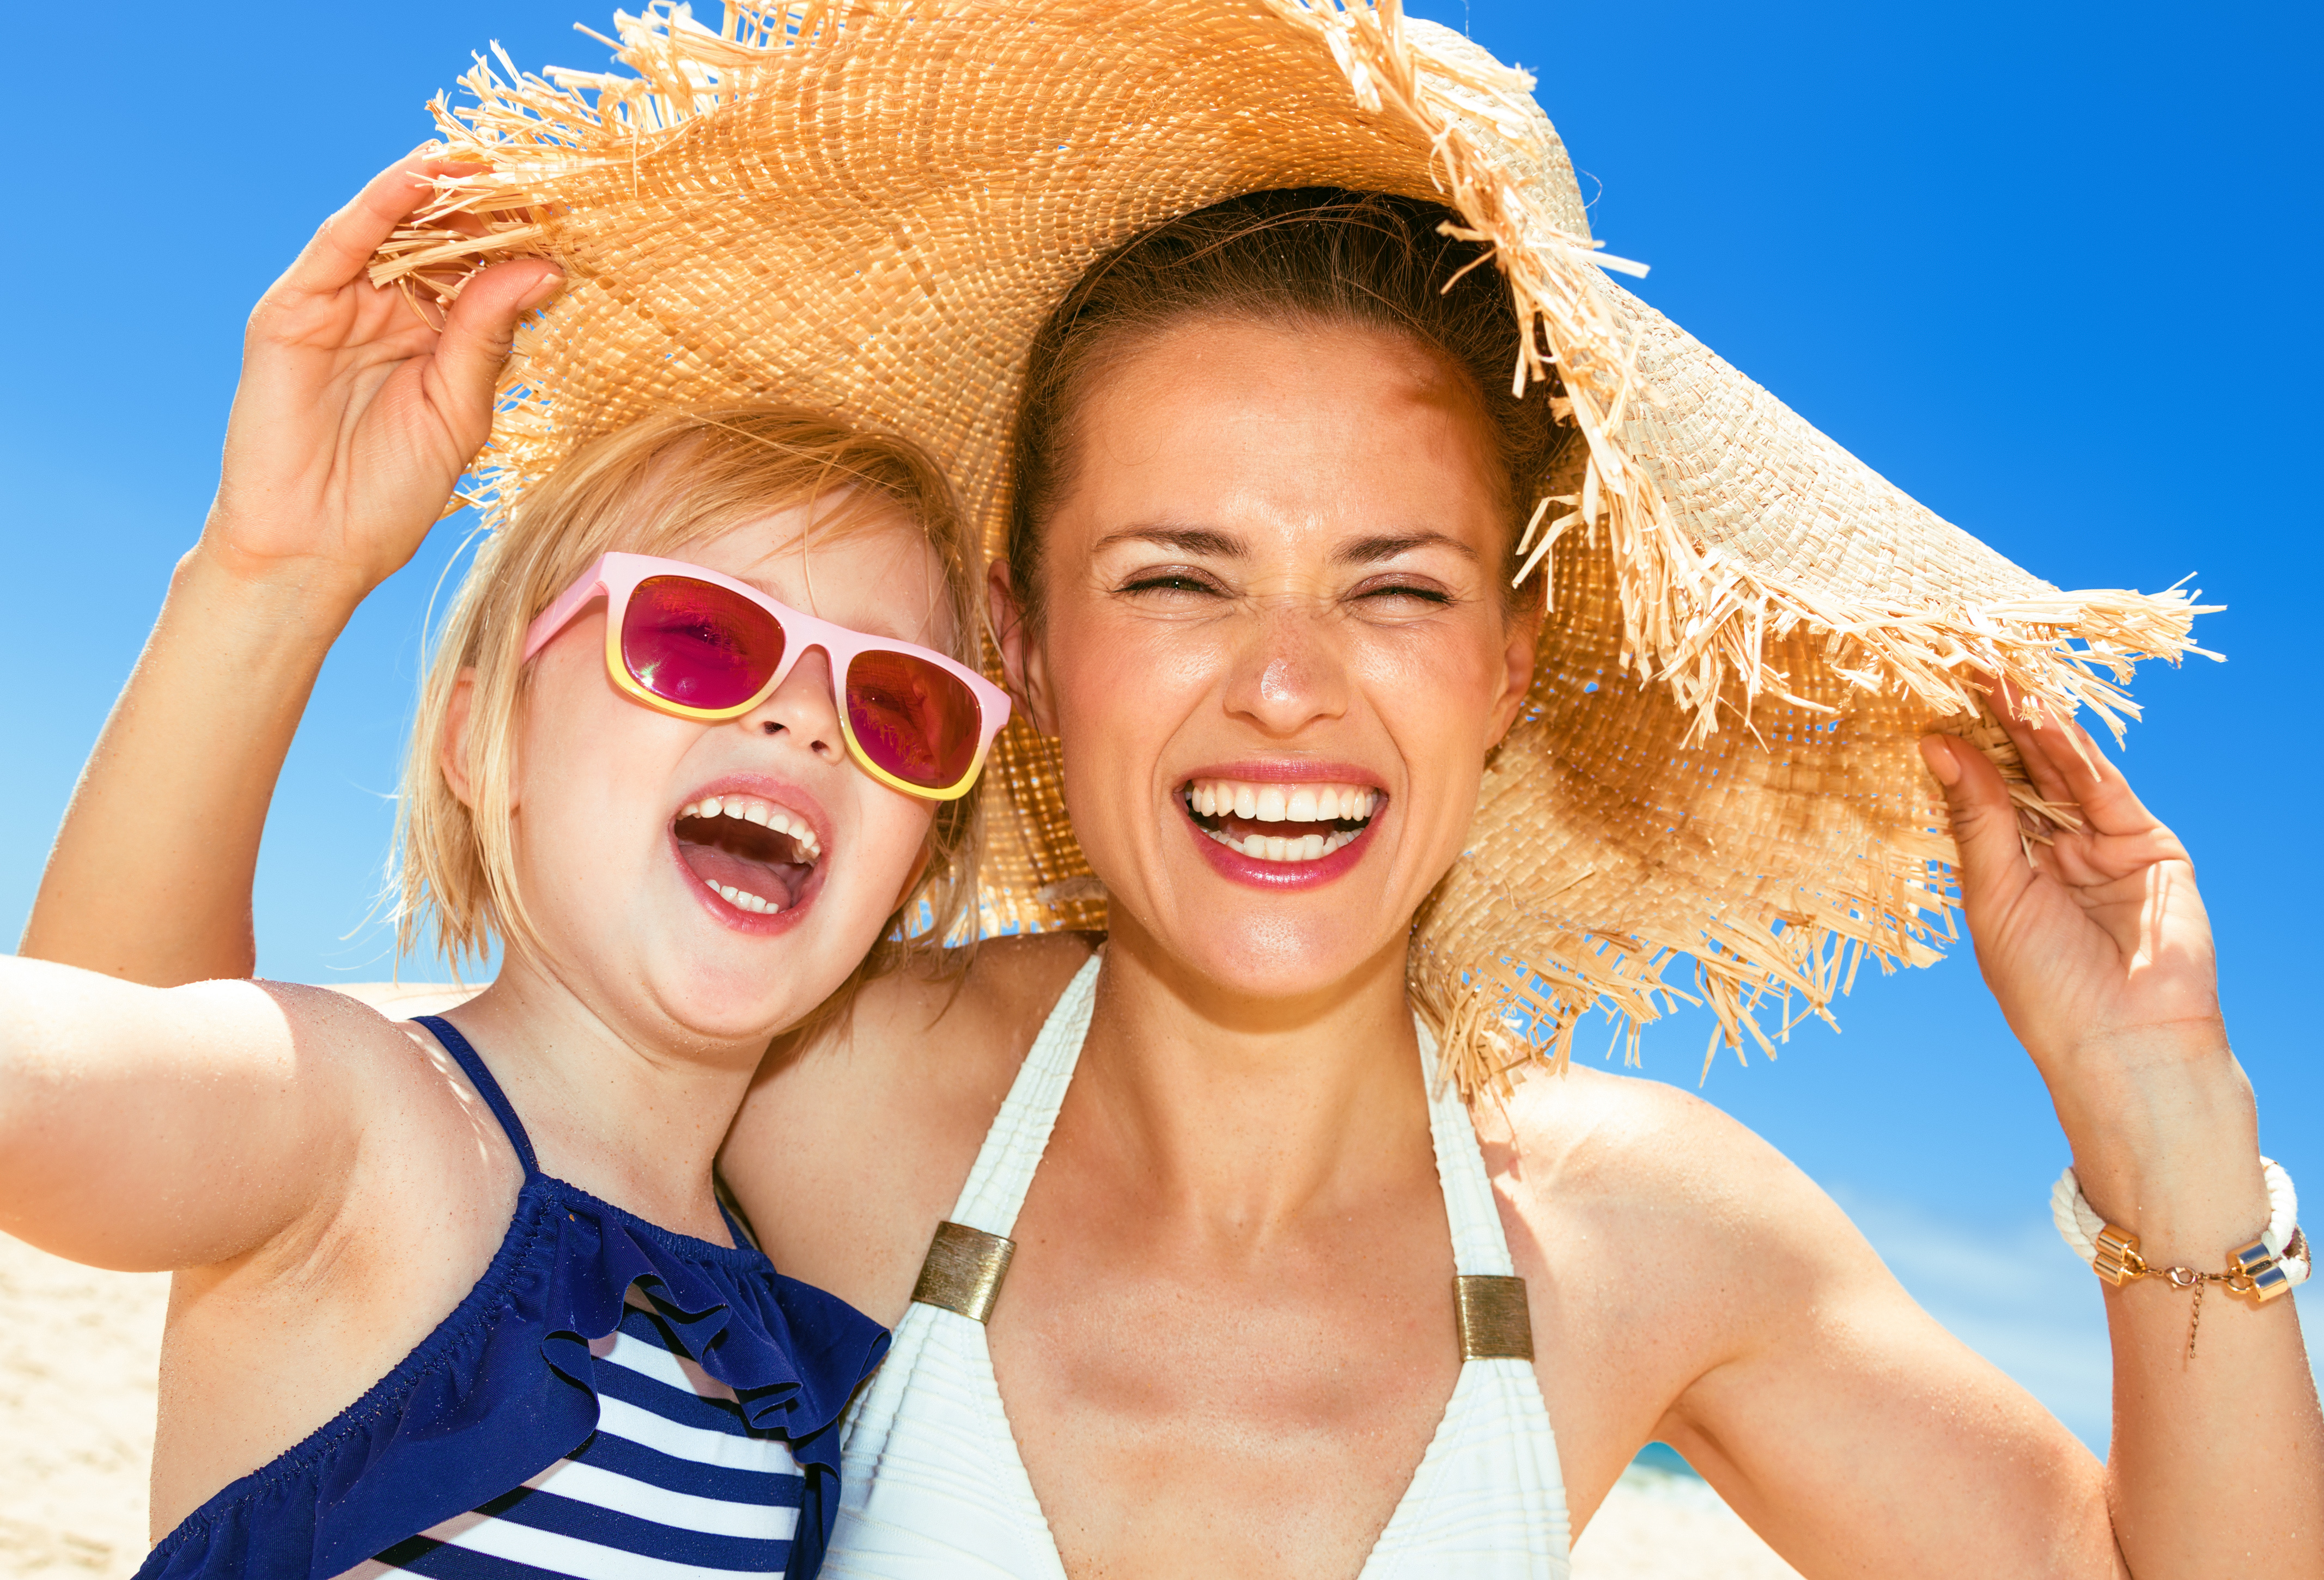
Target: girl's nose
x,y
805,707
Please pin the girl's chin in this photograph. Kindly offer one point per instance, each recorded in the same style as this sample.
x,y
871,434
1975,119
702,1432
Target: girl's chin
x,y
727,1006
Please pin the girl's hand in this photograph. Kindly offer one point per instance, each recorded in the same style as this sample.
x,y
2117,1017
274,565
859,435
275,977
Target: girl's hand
x,y
353,421
355,415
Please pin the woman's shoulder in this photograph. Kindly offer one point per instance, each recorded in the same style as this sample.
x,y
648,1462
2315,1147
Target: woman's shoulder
x,y
997,981
981,1005
1598,1153
851,1148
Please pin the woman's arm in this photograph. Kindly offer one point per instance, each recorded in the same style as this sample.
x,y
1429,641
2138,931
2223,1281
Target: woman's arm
x,y
353,419
1854,1433
2098,949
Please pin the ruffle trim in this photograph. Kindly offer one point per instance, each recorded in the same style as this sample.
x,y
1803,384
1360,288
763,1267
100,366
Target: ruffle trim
x,y
505,1386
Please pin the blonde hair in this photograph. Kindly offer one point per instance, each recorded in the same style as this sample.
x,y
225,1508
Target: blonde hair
x,y
651,488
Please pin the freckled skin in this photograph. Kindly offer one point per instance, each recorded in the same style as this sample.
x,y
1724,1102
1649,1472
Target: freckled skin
x,y
322,1181
604,774
1227,1335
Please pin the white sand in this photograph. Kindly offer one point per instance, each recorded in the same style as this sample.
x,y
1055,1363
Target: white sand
x,y
1656,1525
78,1349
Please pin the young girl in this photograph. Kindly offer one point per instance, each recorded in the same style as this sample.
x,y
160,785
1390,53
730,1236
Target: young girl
x,y
457,1296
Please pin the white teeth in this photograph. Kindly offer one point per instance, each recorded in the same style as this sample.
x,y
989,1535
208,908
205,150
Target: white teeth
x,y
1277,801
743,899
761,813
1305,847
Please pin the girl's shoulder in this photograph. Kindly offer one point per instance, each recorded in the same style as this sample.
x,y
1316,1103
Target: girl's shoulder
x,y
398,1130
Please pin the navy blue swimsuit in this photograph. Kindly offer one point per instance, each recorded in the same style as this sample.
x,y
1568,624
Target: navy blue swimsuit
x,y
611,1398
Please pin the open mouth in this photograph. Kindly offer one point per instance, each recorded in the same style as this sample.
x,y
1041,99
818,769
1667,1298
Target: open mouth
x,y
752,854
1276,822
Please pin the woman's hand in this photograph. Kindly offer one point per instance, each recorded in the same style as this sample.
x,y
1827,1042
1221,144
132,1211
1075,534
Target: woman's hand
x,y
2096,942
357,414
2097,945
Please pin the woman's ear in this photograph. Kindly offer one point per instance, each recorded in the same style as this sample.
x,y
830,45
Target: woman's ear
x,y
1021,659
452,750
1522,628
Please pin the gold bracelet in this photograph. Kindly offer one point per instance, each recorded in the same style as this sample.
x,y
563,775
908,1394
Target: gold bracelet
x,y
2253,1272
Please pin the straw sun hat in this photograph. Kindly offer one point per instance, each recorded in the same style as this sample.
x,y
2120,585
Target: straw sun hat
x,y
871,206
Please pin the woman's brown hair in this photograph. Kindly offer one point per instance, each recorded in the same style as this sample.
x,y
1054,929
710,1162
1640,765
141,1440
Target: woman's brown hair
x,y
1319,255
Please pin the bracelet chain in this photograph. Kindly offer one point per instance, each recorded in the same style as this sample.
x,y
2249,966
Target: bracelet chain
x,y
2252,1272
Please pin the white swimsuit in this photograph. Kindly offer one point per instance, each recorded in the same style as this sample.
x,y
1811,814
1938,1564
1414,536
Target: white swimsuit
x,y
933,1485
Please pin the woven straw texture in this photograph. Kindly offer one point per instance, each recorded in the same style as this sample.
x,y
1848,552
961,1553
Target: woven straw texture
x,y
869,207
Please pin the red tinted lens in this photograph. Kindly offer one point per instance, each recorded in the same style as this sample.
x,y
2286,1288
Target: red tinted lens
x,y
914,720
698,644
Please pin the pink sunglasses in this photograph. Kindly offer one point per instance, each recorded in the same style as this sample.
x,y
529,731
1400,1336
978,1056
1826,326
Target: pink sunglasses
x,y
688,641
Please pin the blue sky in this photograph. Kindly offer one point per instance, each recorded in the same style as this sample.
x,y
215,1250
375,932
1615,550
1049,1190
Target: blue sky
x,y
2050,267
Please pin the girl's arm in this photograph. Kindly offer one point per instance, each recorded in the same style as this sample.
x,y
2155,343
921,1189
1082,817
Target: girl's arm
x,y
353,421
146,1129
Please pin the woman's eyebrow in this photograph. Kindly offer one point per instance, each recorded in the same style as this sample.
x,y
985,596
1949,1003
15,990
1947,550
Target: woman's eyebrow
x,y
1199,542
1366,551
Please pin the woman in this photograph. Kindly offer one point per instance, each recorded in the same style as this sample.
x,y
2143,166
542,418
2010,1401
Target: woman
x,y
1261,538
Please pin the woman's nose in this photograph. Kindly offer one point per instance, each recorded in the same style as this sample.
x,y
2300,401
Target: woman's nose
x,y
1289,674
805,707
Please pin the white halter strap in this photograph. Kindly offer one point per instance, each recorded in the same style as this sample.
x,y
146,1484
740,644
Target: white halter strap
x,y
1012,1150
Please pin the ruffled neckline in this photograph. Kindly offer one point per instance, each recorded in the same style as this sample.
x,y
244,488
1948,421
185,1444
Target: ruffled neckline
x,y
505,1385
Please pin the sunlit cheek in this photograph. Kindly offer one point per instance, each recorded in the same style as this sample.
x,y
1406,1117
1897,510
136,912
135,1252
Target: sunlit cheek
x,y
896,829
592,772
1437,702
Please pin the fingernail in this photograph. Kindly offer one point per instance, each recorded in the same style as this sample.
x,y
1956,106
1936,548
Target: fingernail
x,y
1937,751
542,292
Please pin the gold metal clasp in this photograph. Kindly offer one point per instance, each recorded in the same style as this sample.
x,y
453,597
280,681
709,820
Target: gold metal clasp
x,y
2256,1273
2117,1260
963,1271
1495,1323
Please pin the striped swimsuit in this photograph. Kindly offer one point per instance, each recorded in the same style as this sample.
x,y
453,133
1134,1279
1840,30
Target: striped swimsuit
x,y
673,1482
612,1401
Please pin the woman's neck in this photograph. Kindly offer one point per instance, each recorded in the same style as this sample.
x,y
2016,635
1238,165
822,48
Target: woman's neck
x,y
632,1113
1245,1111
